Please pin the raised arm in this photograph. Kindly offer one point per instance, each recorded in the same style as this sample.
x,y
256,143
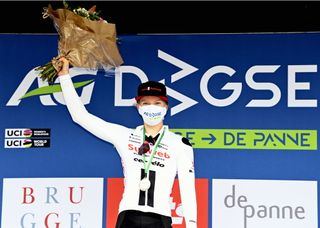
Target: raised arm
x,y
97,126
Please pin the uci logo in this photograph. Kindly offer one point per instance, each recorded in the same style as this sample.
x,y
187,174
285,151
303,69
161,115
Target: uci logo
x,y
18,143
18,133
236,88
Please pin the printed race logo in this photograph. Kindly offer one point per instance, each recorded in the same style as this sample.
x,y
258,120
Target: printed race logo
x,y
264,204
26,143
52,202
27,132
115,190
27,137
186,69
44,91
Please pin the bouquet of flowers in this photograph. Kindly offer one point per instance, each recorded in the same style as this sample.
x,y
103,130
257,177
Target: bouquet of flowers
x,y
85,39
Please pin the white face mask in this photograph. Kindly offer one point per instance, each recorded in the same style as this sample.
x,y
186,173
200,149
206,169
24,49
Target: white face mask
x,y
152,114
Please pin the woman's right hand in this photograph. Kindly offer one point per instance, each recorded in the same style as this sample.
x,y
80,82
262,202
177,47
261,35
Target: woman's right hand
x,y
65,66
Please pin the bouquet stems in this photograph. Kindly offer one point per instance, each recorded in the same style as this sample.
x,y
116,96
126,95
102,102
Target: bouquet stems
x,y
49,71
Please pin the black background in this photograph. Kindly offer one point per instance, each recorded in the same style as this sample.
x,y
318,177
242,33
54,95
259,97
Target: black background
x,y
134,17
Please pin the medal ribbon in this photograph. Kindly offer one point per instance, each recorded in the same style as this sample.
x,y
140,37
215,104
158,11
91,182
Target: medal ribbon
x,y
147,165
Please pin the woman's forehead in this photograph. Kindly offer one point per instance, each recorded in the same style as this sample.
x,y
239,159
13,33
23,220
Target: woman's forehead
x,y
150,99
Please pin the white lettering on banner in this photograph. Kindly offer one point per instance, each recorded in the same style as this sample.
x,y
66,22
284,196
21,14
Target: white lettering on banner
x,y
52,202
47,100
186,69
263,86
186,102
264,204
236,87
294,86
118,100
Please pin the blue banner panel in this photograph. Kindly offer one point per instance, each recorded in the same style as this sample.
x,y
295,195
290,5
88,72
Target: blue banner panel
x,y
248,103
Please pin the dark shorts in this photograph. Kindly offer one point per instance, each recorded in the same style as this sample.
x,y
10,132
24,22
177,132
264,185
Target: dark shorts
x,y
138,219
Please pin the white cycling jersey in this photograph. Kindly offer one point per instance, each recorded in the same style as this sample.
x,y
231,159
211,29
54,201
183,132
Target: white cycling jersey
x,y
174,156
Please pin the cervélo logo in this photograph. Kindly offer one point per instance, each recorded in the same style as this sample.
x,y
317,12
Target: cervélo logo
x,y
52,202
264,204
114,193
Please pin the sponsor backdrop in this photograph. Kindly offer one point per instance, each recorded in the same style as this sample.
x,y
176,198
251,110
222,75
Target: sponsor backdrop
x,y
248,103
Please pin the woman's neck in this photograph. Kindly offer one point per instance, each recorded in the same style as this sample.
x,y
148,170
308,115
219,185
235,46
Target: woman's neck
x,y
153,130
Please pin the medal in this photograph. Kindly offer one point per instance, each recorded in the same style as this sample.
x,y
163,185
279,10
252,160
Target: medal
x,y
144,184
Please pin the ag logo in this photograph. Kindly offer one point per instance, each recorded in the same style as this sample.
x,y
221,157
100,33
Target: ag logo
x,y
44,91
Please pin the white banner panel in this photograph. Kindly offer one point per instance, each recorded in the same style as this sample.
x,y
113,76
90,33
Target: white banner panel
x,y
264,204
52,202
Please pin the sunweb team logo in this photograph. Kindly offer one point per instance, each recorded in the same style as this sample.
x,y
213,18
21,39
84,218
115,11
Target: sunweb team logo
x,y
264,204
